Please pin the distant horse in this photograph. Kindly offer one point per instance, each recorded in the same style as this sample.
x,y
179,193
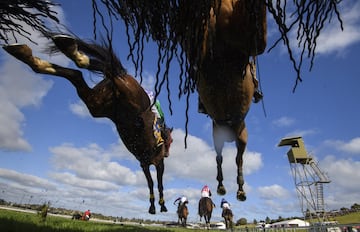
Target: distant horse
x,y
228,217
118,97
226,80
77,216
205,209
183,213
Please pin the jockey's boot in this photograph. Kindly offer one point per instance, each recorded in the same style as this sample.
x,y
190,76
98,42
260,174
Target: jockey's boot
x,y
258,96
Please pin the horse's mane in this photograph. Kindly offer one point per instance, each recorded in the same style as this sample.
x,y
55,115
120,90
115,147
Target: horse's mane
x,y
178,26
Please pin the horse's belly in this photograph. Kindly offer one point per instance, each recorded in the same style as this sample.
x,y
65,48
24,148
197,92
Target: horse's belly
x,y
226,96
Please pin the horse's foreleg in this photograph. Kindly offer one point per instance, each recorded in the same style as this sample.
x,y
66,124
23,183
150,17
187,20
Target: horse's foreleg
x,y
146,170
160,172
219,144
241,145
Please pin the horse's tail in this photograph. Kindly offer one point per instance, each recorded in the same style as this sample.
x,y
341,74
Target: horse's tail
x,y
105,57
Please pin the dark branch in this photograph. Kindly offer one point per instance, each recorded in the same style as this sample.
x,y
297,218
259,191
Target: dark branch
x,y
15,14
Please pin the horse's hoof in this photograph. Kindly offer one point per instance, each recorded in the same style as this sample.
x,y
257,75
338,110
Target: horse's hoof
x,y
163,208
152,210
65,43
19,51
241,195
63,39
221,190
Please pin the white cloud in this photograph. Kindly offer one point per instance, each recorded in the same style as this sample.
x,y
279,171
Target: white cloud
x,y
79,109
353,146
20,87
343,189
90,184
340,170
198,161
94,163
301,133
273,191
284,121
332,39
26,179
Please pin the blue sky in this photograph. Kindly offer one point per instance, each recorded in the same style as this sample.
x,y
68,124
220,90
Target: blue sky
x,y
52,149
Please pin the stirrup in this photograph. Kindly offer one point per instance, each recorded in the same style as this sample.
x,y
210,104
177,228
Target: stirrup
x,y
258,96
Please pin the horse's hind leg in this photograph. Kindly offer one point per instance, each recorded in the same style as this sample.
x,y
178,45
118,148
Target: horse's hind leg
x,y
219,144
68,46
23,53
92,98
241,145
146,170
160,172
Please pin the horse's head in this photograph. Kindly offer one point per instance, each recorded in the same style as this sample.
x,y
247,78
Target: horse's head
x,y
168,140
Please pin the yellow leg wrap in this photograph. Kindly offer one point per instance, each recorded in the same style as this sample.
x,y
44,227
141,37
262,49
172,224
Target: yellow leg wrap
x,y
152,196
161,201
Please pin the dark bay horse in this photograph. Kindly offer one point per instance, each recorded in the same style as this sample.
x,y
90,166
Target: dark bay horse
x,y
78,216
227,76
205,210
183,213
118,97
228,216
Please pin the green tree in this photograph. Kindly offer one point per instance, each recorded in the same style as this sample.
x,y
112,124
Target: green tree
x,y
355,206
267,220
241,221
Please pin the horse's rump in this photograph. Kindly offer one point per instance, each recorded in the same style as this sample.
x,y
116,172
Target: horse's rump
x,y
183,211
227,213
205,206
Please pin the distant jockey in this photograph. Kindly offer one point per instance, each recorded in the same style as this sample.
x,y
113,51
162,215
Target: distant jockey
x,y
225,204
205,191
87,215
182,201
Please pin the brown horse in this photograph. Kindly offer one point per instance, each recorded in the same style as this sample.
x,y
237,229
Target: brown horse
x,y
226,82
118,97
205,209
183,213
228,217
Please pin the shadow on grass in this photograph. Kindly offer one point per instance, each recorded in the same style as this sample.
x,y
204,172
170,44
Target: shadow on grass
x,y
12,225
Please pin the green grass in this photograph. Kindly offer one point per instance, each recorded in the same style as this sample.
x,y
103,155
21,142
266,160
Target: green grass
x,y
12,221
348,218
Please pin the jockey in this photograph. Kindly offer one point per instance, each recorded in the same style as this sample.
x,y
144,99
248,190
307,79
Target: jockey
x,y
225,204
159,123
87,215
205,191
182,201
